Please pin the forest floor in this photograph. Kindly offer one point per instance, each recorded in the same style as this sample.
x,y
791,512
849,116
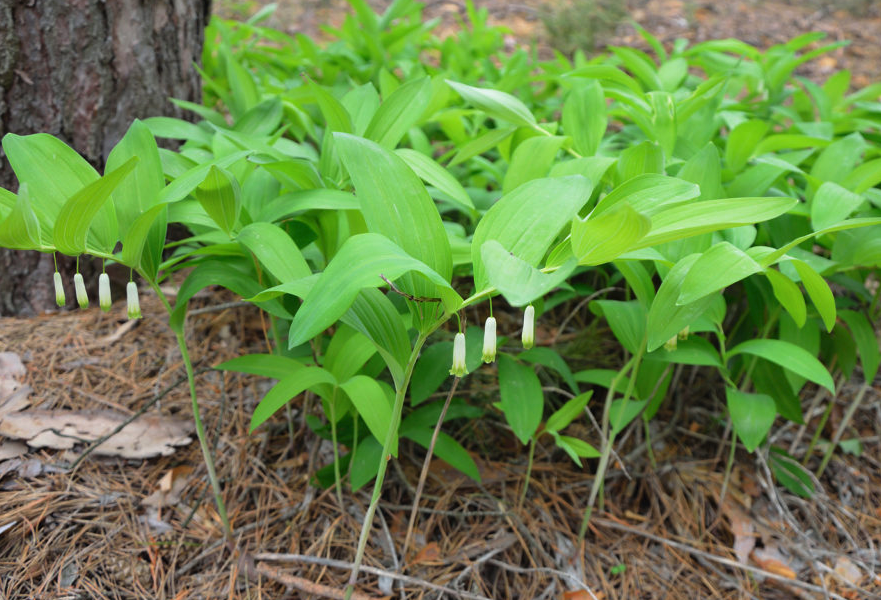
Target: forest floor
x,y
107,527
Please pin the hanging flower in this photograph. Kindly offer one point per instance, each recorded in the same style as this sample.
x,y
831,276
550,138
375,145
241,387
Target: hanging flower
x,y
459,369
82,298
131,300
528,336
670,345
683,334
104,291
59,290
489,340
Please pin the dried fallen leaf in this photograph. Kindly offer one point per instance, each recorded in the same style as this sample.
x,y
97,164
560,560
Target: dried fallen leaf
x,y
743,528
171,487
848,571
147,436
10,449
583,595
430,553
16,401
11,366
771,559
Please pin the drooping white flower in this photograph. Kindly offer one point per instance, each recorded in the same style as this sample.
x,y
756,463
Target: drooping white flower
x,y
59,290
528,335
489,340
459,369
82,298
104,291
131,299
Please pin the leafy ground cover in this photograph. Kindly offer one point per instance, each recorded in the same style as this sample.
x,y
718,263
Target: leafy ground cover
x,y
615,198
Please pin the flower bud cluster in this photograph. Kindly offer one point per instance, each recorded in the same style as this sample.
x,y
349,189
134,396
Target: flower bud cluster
x,y
104,300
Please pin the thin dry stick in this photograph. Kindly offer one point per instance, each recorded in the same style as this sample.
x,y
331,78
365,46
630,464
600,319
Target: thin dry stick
x,y
304,585
719,559
341,564
425,465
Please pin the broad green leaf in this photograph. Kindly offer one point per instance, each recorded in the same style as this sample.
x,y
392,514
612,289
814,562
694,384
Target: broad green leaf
x,y
742,142
432,173
773,380
638,63
603,238
568,412
838,159
705,170
518,281
75,217
399,112
678,222
576,448
139,242
522,399
495,103
666,318
365,462
481,144
20,230
335,114
178,129
663,120
584,117
716,269
183,185
639,280
866,340
274,366
789,356
627,320
374,315
621,413
220,196
773,257
294,203
263,119
645,158
244,94
791,474
285,390
752,416
532,159
819,292
275,250
526,221
832,204
361,102
694,350
648,194
396,204
789,295
362,262
431,370
373,406
347,352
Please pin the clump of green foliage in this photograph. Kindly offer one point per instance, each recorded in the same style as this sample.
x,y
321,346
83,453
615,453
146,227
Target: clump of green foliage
x,y
581,24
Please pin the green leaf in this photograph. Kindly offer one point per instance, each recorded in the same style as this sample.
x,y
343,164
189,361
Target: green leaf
x,y
679,222
576,448
832,204
867,342
395,203
789,356
432,173
532,159
752,416
374,315
143,236
178,129
76,216
496,104
481,144
273,366
568,412
601,239
621,413
742,142
275,250
694,350
716,269
431,370
584,117
547,357
285,390
348,351
360,263
518,281
373,406
791,474
220,196
648,194
399,112
365,464
819,292
627,320
667,318
522,399
789,295
526,221
20,230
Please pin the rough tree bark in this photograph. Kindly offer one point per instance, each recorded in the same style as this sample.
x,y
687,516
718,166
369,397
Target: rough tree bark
x,y
83,70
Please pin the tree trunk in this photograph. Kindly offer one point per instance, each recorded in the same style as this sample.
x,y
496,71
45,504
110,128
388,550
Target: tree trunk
x,y
82,70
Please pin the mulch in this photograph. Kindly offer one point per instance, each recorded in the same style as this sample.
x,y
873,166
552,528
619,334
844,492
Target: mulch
x,y
671,526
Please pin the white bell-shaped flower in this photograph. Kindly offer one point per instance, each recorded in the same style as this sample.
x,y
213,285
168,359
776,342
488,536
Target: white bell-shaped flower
x,y
528,335
82,298
131,298
459,369
489,340
59,290
104,291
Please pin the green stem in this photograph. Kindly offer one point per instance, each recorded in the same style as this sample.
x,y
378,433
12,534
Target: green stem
x,y
390,437
842,426
336,450
816,437
609,434
200,429
528,472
